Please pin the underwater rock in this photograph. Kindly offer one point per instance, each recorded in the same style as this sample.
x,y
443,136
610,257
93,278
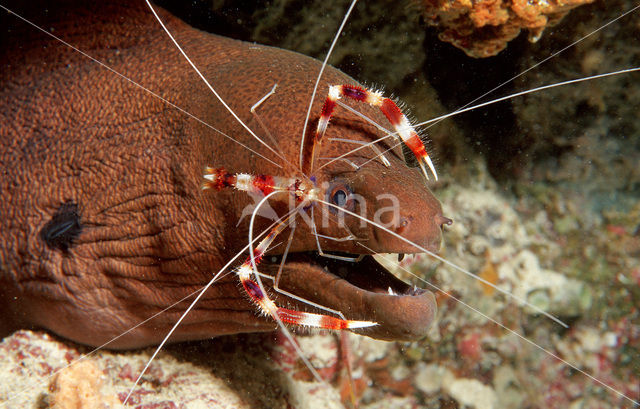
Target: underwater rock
x,y
470,393
548,290
565,261
37,372
80,386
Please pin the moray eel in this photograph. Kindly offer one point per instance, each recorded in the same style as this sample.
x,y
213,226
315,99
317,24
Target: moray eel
x,y
103,219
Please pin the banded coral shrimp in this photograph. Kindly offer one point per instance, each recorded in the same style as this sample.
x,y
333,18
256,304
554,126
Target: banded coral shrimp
x,y
449,344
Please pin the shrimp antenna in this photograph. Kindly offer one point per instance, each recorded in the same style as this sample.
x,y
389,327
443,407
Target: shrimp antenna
x,y
522,337
466,107
237,118
145,89
548,58
530,91
315,87
460,111
447,262
249,246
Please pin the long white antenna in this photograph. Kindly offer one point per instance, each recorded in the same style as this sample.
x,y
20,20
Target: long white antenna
x,y
209,85
315,88
252,258
184,314
447,262
460,111
135,83
522,337
549,57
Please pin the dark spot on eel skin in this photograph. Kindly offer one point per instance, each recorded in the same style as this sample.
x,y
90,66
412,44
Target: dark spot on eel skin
x,y
63,228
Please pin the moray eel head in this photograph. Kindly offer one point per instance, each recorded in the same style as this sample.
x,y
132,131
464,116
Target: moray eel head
x,y
388,194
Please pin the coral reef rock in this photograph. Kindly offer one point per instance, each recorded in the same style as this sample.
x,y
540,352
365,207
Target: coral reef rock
x,y
483,28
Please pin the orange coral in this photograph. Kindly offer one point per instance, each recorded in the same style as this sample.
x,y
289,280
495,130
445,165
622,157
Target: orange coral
x,y
482,28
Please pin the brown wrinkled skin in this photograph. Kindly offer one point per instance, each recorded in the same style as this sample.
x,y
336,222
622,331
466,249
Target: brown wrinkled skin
x,y
74,132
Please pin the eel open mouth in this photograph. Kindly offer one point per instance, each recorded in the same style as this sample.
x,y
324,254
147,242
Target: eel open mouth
x,y
361,290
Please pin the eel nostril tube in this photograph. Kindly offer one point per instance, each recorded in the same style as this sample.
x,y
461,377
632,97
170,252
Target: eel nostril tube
x,y
441,221
403,223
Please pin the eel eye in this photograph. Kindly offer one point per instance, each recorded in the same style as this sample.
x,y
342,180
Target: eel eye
x,y
339,197
340,194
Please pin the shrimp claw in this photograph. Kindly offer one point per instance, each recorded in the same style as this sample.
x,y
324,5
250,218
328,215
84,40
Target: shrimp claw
x,y
403,128
219,178
268,307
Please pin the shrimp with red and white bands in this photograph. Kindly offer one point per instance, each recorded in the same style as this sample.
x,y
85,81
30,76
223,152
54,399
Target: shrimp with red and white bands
x,y
405,132
307,193
219,178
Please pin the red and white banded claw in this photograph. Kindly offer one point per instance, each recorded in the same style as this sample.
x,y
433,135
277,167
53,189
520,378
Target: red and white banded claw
x,y
403,128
